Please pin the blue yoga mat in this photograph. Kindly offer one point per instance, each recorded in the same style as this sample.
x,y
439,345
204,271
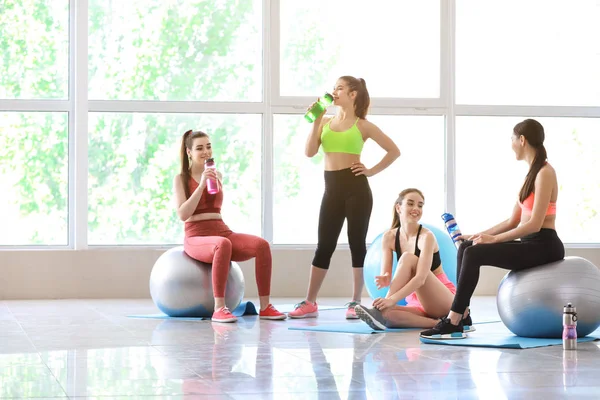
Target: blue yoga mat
x,y
245,308
357,327
345,327
500,337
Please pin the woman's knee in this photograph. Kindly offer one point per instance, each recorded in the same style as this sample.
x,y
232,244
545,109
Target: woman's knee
x,y
262,245
472,256
358,254
408,259
466,244
224,245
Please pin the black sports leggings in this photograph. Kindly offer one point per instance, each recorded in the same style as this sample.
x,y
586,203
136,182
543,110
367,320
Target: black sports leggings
x,y
536,249
346,196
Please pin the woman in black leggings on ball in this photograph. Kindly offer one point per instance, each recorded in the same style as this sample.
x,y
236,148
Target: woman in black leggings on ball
x,y
533,221
347,192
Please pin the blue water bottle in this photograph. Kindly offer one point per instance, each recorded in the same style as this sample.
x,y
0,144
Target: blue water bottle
x,y
452,228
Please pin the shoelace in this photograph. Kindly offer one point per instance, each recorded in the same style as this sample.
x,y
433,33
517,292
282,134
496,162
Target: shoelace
x,y
298,305
351,304
225,310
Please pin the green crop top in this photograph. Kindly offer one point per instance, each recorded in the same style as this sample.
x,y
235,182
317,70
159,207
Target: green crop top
x,y
349,141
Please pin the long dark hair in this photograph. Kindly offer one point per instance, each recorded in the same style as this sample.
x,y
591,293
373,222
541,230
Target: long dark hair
x,y
186,143
396,220
533,132
362,100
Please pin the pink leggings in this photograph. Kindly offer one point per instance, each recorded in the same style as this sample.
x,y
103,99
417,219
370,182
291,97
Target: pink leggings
x,y
212,242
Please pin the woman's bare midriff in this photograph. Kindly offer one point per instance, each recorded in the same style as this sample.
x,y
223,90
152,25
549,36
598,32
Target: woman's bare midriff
x,y
338,161
203,217
549,221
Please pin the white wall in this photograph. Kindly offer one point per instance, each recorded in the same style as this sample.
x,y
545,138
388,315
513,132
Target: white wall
x,y
124,273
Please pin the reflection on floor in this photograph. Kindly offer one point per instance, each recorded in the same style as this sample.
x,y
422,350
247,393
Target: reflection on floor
x,y
89,348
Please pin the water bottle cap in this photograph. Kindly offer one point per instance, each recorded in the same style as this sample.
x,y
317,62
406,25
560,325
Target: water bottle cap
x,y
447,217
209,161
328,98
569,308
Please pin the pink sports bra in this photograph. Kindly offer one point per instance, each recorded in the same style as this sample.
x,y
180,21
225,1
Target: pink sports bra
x,y
527,206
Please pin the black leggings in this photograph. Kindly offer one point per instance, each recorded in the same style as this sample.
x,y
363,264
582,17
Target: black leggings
x,y
346,196
536,249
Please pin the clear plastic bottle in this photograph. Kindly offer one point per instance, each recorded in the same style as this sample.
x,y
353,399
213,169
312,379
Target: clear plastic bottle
x,y
211,184
318,108
452,228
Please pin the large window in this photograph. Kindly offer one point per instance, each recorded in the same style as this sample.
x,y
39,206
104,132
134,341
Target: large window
x,y
534,52
489,177
394,45
34,43
95,96
34,178
299,184
134,157
175,50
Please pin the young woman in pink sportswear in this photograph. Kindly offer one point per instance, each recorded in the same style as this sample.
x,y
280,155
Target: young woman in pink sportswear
x,y
207,237
419,276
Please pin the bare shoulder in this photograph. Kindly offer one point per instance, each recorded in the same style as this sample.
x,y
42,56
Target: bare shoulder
x,y
325,121
177,179
370,130
428,237
547,171
365,124
546,177
389,237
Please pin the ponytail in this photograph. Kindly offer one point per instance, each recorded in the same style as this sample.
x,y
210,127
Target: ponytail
x,y
396,218
534,133
187,140
362,100
538,162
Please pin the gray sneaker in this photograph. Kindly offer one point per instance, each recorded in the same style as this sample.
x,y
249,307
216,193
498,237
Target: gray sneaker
x,y
371,316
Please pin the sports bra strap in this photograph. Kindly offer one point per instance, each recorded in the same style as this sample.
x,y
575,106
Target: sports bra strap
x,y
417,241
397,243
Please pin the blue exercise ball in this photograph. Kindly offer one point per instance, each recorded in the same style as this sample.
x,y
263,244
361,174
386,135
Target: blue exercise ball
x,y
372,265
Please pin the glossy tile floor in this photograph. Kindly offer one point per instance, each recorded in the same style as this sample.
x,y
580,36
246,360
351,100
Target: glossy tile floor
x,y
90,349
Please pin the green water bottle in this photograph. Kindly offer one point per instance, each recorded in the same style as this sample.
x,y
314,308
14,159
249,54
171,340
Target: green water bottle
x,y
319,107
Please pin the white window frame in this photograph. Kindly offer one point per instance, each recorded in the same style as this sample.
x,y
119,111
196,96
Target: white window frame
x,y
78,106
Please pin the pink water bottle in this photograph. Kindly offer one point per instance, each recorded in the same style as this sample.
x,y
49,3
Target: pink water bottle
x,y
211,184
569,327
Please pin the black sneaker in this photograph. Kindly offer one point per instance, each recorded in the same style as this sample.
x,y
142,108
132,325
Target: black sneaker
x,y
445,330
468,324
371,316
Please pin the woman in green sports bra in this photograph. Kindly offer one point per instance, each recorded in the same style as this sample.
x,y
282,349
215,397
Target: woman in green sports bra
x,y
347,191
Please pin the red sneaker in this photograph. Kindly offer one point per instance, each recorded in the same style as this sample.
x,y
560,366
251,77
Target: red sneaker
x,y
223,315
271,313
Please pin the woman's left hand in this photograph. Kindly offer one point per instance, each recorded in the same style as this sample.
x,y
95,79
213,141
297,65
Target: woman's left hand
x,y
382,304
360,169
483,238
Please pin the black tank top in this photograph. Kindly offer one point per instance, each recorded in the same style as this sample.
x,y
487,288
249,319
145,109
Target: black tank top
x,y
435,262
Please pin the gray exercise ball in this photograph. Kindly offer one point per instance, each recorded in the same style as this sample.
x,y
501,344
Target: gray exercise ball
x,y
182,287
530,302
